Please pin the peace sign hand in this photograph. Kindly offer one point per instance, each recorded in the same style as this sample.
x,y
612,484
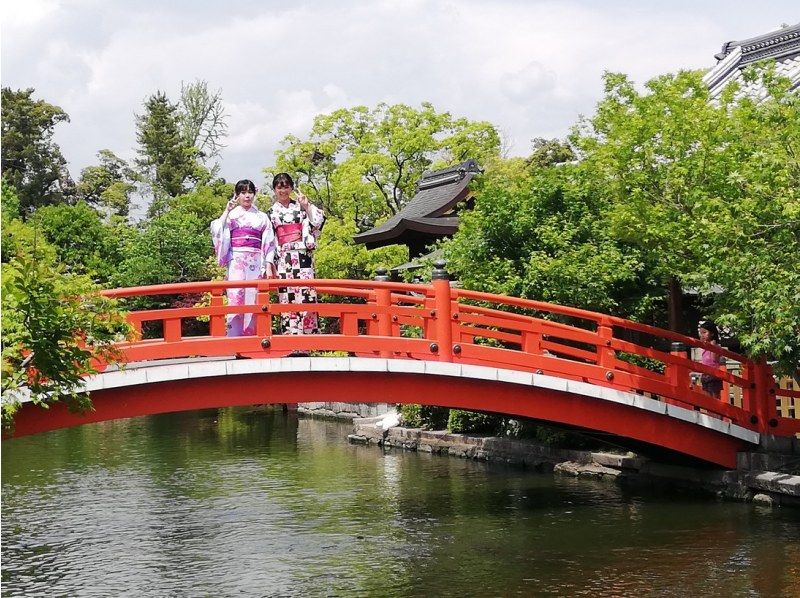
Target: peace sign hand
x,y
302,200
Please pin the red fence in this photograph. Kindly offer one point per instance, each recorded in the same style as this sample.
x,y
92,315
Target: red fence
x,y
438,322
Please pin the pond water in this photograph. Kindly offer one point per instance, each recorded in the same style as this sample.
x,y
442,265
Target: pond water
x,y
254,502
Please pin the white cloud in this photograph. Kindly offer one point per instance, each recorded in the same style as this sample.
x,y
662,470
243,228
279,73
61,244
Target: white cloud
x,y
28,13
529,67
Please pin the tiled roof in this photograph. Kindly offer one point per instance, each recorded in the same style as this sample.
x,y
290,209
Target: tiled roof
x,y
782,45
438,192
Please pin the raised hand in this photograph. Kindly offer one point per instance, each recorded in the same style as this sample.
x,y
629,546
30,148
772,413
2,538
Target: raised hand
x,y
302,200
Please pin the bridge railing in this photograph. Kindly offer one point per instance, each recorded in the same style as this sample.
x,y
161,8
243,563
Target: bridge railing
x,y
438,322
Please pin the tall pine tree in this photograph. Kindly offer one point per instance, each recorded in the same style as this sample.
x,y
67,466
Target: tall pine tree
x,y
165,156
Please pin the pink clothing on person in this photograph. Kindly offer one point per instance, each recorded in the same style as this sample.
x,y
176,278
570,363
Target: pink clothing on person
x,y
710,358
244,241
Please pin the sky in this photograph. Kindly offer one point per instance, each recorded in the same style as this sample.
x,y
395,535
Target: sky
x,y
531,67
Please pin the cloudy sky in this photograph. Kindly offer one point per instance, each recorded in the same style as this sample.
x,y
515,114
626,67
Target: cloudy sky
x,y
529,67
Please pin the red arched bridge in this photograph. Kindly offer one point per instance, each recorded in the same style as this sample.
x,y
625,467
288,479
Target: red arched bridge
x,y
436,345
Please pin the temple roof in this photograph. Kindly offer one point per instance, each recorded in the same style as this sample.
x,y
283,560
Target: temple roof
x,y
426,215
781,45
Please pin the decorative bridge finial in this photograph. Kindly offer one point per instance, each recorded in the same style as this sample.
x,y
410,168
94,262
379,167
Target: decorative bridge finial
x,y
439,273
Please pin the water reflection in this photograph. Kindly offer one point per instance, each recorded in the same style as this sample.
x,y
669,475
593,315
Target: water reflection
x,y
255,502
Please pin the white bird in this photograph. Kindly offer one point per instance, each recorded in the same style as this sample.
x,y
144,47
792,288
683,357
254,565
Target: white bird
x,y
390,420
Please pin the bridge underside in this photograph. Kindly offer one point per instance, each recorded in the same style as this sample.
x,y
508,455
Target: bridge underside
x,y
547,405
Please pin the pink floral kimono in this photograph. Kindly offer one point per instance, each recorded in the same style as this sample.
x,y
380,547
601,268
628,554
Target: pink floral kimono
x,y
244,241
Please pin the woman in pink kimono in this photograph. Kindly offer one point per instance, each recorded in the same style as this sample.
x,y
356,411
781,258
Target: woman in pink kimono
x,y
244,242
297,223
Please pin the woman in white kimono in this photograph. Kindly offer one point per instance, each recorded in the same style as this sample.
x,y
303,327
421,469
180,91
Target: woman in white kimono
x,y
244,242
297,223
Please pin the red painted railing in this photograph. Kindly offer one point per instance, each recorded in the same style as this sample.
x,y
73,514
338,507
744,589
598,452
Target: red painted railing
x,y
438,322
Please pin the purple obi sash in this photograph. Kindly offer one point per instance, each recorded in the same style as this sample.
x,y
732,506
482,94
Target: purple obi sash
x,y
246,236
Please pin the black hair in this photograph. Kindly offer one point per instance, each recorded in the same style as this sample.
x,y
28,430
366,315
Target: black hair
x,y
244,186
282,178
711,327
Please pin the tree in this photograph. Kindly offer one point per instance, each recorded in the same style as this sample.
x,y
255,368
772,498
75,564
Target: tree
x,y
31,161
540,234
84,245
55,325
202,119
108,185
709,193
362,165
547,152
173,247
165,156
365,163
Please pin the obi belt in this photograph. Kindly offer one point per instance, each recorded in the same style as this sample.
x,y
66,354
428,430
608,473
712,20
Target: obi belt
x,y
288,233
246,236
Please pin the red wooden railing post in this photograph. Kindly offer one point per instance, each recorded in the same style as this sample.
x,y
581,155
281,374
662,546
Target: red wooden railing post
x,y
443,317
678,374
383,300
217,323
172,330
606,356
263,316
766,409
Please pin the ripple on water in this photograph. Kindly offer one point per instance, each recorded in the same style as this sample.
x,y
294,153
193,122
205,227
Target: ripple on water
x,y
255,504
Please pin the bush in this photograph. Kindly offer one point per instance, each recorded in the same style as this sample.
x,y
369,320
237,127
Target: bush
x,y
463,422
424,416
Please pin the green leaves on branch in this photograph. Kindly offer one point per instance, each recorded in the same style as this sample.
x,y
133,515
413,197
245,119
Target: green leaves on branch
x,y
363,164
55,327
31,160
708,191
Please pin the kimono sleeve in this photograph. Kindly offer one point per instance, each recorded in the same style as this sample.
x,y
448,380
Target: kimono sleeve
x,y
221,237
269,244
312,226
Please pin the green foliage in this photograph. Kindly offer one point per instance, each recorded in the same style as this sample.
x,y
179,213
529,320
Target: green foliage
x,y
547,152
339,257
108,185
17,236
542,234
83,243
31,161
165,156
365,163
206,202
549,435
708,192
173,247
202,119
465,422
424,416
9,209
54,326
362,165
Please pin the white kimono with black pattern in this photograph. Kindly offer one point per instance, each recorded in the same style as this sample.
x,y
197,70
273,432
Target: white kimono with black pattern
x,y
296,234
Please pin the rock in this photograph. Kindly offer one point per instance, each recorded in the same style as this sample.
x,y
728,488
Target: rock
x,y
764,499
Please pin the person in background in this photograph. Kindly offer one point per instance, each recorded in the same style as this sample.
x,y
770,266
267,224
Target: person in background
x,y
707,332
297,223
244,242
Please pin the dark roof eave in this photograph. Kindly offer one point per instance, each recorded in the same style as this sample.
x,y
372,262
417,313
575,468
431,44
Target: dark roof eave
x,y
388,237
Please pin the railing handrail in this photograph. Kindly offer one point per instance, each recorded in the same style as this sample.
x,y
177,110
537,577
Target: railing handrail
x,y
449,328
